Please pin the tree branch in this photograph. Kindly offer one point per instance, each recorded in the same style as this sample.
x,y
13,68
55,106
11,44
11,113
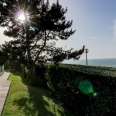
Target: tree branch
x,y
43,46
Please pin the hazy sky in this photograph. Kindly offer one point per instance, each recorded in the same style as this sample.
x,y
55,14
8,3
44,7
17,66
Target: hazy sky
x,y
95,25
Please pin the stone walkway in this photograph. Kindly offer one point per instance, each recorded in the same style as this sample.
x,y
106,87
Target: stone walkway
x,y
4,88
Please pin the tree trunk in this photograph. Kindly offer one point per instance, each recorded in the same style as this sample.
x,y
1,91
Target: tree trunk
x,y
32,74
30,65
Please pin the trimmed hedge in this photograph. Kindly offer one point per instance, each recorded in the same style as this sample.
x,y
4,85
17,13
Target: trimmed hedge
x,y
61,80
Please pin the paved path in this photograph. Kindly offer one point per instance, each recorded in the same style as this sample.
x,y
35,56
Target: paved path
x,y
4,88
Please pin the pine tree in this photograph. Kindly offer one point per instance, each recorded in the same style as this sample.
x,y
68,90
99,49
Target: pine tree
x,y
35,27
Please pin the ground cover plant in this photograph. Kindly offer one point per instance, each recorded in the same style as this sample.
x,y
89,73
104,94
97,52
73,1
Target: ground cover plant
x,y
24,100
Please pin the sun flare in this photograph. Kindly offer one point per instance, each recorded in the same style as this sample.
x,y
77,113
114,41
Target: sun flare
x,y
20,16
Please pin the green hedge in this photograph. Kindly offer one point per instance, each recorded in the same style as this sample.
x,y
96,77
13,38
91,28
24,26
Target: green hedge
x,y
61,80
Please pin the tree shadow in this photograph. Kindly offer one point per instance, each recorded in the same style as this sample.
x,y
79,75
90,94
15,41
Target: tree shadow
x,y
37,103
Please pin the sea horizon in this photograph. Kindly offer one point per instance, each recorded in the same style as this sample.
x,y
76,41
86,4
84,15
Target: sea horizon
x,y
107,62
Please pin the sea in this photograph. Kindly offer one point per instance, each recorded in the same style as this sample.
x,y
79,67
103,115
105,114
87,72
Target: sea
x,y
107,62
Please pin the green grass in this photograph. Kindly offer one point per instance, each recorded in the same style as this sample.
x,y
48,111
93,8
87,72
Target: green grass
x,y
25,100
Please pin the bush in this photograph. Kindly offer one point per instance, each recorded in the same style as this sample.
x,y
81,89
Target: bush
x,y
62,82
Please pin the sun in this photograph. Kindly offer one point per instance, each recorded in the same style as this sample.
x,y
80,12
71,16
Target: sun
x,y
20,16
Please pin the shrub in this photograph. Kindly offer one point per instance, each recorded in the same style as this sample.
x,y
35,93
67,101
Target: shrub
x,y
62,83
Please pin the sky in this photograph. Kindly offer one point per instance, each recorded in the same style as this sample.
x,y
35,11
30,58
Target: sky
x,y
95,25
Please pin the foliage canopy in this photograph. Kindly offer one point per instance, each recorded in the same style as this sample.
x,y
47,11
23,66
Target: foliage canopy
x,y
36,34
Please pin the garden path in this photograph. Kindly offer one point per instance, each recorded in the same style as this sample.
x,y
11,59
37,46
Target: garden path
x,y
4,88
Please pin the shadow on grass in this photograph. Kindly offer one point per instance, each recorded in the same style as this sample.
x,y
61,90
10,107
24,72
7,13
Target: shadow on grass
x,y
38,103
35,105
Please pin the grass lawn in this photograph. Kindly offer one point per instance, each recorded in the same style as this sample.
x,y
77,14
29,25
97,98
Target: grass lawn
x,y
25,100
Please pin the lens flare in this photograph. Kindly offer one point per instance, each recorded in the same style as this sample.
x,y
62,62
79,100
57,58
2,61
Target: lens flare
x,y
94,94
5,0
85,87
31,28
